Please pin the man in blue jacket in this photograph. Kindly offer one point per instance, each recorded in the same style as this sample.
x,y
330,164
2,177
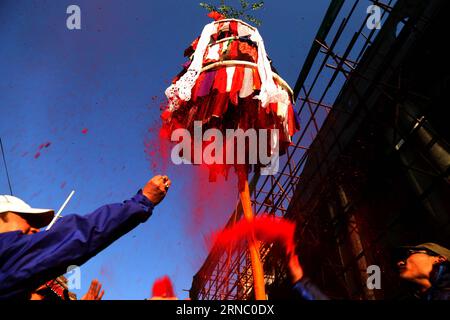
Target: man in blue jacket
x,y
29,258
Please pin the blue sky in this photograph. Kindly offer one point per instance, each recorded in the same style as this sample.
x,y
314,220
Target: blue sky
x,y
55,82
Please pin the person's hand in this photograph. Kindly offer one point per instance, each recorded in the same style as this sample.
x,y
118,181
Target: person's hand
x,y
156,189
293,264
94,291
295,269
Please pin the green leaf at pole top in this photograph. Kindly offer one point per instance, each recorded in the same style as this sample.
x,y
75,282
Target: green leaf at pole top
x,y
232,12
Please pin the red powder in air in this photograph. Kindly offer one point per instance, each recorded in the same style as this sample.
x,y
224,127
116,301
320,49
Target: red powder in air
x,y
40,148
216,15
44,145
157,147
208,204
163,288
63,185
107,271
84,131
265,228
157,143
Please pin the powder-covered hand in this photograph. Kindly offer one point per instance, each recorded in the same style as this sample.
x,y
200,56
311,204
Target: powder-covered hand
x,y
95,291
295,268
156,189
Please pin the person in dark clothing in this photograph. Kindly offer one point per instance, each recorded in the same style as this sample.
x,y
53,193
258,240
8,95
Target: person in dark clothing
x,y
427,267
304,288
29,258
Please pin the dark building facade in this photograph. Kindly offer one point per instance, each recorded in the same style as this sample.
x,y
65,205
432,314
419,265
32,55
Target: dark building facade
x,y
377,175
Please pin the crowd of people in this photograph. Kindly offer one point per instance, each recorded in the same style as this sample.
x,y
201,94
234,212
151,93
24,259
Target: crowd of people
x,y
32,261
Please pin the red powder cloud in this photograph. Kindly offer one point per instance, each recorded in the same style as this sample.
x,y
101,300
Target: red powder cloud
x,y
163,288
44,145
265,228
157,148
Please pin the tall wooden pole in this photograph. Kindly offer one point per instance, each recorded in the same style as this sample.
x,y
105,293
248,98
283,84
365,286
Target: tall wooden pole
x,y
253,246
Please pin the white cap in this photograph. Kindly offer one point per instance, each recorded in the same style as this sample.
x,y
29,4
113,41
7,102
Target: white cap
x,y
41,217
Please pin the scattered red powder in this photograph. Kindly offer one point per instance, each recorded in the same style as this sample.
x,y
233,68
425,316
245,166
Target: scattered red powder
x,y
44,145
107,272
63,185
163,288
157,145
84,131
208,204
265,228
40,148
157,150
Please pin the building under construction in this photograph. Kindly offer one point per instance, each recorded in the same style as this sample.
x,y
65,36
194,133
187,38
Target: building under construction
x,y
369,169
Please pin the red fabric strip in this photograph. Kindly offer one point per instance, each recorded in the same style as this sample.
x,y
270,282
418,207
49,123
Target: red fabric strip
x,y
237,84
220,82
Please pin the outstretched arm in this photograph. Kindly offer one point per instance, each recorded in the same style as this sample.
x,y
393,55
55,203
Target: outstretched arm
x,y
28,260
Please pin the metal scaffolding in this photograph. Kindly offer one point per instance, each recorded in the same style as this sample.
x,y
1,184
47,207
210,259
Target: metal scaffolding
x,y
336,64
